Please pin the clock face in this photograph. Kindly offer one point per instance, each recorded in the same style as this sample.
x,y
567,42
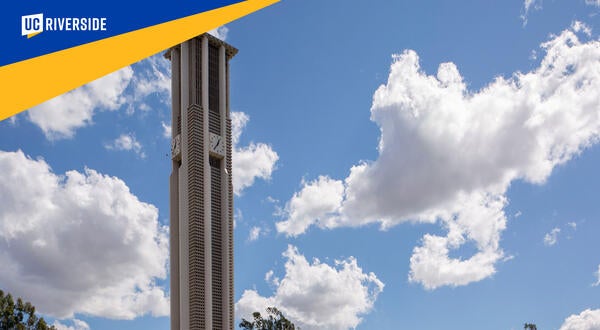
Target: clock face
x,y
176,148
217,145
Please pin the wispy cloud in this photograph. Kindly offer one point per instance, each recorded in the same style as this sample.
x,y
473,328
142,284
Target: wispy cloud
x,y
528,5
167,130
552,237
126,142
254,234
220,32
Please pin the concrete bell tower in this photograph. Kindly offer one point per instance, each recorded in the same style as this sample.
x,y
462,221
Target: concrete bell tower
x,y
201,190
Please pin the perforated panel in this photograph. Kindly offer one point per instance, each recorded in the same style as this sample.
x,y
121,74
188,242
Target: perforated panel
x,y
230,220
196,216
214,124
216,242
198,70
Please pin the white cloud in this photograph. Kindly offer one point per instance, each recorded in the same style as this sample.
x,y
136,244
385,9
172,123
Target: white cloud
x,y
252,162
593,2
578,26
479,220
316,295
13,120
448,155
77,325
167,130
587,320
552,237
256,160
220,32
527,6
317,203
126,142
152,77
79,242
597,276
254,234
528,3
573,225
238,122
271,278
61,116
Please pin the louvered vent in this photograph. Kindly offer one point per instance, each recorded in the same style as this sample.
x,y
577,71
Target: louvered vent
x,y
214,124
196,216
230,218
198,70
216,243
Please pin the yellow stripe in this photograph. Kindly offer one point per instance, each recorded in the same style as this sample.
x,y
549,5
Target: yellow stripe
x,y
31,82
33,34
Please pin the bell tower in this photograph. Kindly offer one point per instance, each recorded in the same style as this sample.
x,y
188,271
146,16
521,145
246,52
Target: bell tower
x,y
201,190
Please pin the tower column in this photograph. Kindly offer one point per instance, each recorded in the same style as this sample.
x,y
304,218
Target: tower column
x,y
183,191
174,184
224,183
201,187
207,200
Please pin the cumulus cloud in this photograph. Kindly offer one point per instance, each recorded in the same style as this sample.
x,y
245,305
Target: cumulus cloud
x,y
126,142
79,242
448,155
256,160
76,325
479,220
589,319
316,295
552,237
61,116
317,203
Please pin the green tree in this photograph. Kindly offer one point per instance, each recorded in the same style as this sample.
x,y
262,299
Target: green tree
x,y
274,321
19,315
529,326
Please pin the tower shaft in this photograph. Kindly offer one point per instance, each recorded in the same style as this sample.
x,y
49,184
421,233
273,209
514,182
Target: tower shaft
x,y
201,202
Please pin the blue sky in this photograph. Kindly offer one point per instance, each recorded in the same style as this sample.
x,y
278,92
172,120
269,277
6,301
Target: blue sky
x,y
399,166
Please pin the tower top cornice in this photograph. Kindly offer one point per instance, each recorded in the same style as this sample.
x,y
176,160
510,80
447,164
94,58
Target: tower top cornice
x,y
230,51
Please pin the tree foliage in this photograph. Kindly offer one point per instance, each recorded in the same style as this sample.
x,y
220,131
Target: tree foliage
x,y
274,321
19,315
530,326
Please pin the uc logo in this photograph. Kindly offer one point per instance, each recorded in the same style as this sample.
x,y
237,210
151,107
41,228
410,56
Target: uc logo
x,y
32,24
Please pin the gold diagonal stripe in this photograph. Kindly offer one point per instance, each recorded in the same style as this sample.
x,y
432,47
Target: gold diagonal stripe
x,y
28,83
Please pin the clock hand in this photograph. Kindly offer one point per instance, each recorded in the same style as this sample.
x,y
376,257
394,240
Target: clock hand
x,y
218,142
